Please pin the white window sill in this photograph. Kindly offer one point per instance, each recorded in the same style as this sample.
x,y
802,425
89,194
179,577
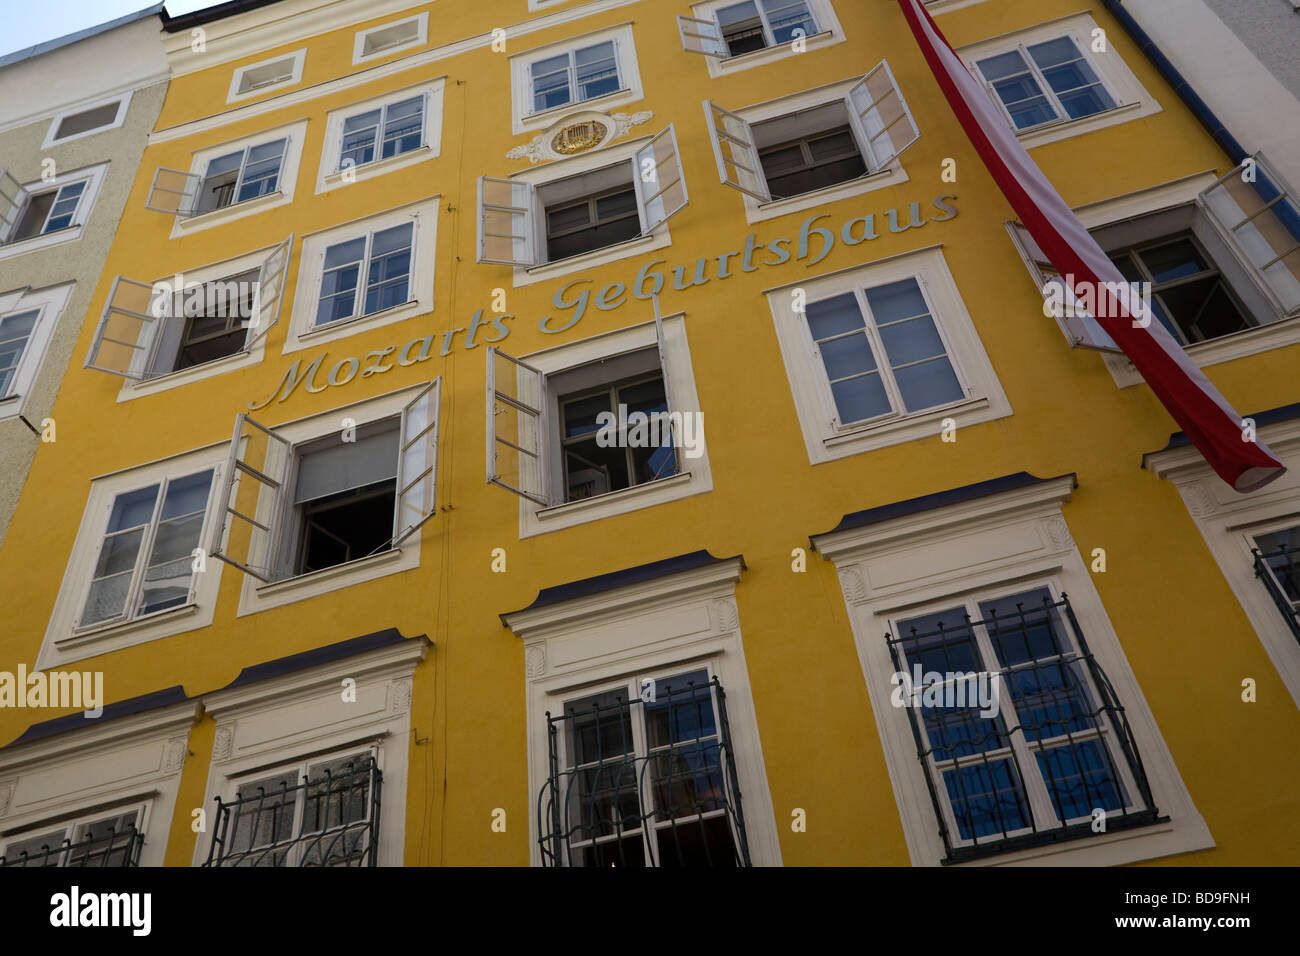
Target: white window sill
x,y
1111,849
236,210
1064,129
256,596
43,241
161,383
11,406
891,175
1264,338
532,122
721,66
95,632
343,570
597,502
771,51
346,327
650,494
376,167
855,439
596,257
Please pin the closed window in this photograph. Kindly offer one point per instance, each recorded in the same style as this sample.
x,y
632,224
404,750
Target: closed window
x,y
574,76
146,555
882,353
365,275
240,176
1277,565
381,133
15,334
1045,82
105,840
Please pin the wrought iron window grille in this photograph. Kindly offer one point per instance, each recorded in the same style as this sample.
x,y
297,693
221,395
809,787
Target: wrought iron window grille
x,y
1273,568
660,790
331,819
1060,701
110,847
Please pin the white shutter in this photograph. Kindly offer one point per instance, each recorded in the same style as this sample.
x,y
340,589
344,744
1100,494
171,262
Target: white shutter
x,y
663,355
506,222
417,462
270,292
251,443
127,330
660,188
12,198
1261,219
1080,329
516,452
9,300
173,191
702,36
736,152
883,123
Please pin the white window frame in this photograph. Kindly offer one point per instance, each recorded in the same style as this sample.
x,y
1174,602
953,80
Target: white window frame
x,y
658,238
523,117
694,475
286,184
936,7
93,176
1132,100
758,210
301,717
63,642
50,303
826,441
1273,335
1003,543
329,176
88,774
71,825
1229,520
123,101
235,95
256,596
302,332
245,357
670,625
829,32
359,54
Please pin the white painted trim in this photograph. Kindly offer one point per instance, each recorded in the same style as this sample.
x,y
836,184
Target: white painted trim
x,y
1226,518
94,177
670,622
695,476
302,333
62,643
256,596
421,37
269,723
329,177
937,7
985,400
1133,101
525,120
235,94
135,760
123,104
50,303
829,32
286,184
1016,538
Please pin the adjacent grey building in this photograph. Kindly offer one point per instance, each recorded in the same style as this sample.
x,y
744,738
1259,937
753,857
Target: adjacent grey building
x,y
75,114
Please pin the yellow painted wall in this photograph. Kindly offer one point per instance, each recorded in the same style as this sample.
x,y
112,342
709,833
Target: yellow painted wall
x,y
1181,628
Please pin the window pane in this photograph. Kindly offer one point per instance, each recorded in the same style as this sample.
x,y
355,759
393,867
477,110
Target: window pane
x,y
171,563
604,793
339,281
928,384
262,171
1173,260
15,330
110,841
404,126
592,470
359,134
987,799
132,509
1281,550
597,70
834,316
846,356
265,817
550,82
857,399
43,850
580,414
107,598
1081,778
33,219
786,17
1003,65
388,275
742,28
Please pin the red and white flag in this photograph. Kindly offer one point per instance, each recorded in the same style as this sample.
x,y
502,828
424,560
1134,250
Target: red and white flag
x,y
1213,426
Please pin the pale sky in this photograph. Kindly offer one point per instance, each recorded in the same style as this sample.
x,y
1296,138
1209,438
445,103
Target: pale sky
x,y
28,22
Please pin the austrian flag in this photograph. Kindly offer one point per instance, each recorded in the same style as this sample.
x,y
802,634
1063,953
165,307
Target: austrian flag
x,y
1213,426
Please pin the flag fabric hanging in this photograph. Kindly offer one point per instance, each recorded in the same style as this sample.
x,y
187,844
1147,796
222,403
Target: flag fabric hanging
x,y
1212,424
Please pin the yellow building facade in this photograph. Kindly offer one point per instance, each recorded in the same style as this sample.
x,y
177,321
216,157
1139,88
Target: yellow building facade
x,y
469,226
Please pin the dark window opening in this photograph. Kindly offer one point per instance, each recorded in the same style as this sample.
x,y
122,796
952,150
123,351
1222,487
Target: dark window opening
x,y
595,465
216,326
87,120
592,222
34,216
346,526
812,162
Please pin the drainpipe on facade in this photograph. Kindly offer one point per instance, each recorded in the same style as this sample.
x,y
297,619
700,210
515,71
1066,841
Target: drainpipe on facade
x,y
1184,89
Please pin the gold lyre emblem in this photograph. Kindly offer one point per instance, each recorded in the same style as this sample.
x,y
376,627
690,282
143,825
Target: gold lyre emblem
x,y
578,138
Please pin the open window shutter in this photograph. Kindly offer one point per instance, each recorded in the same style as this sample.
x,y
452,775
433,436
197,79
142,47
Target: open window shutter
x,y
173,191
9,300
506,222
252,443
702,36
12,197
663,356
270,292
516,458
880,117
1080,329
660,188
1261,219
736,152
128,329
417,462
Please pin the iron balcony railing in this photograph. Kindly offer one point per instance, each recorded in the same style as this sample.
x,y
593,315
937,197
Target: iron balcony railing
x,y
109,847
331,819
643,783
1065,728
1279,569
